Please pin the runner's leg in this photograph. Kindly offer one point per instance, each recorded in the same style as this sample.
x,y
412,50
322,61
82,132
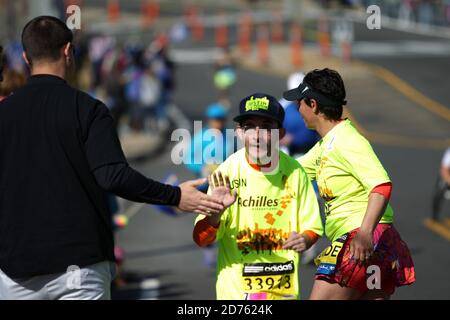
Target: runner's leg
x,y
375,295
323,290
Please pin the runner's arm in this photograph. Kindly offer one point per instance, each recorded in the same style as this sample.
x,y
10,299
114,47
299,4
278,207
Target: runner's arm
x,y
108,164
301,242
310,223
308,161
311,237
107,161
361,247
205,233
378,200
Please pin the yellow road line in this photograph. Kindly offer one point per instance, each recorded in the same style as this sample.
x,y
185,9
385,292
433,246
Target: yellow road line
x,y
411,93
447,222
438,228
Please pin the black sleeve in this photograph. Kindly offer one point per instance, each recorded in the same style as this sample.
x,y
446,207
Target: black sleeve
x,y
129,184
101,143
109,166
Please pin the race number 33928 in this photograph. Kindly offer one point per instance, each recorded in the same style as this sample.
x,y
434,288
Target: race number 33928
x,y
268,280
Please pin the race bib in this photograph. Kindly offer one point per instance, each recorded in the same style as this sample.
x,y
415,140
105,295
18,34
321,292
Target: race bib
x,y
269,281
326,261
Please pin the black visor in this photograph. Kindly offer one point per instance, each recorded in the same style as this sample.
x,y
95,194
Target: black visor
x,y
304,91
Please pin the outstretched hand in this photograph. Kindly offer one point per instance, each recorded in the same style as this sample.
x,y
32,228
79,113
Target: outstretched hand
x,y
221,189
193,200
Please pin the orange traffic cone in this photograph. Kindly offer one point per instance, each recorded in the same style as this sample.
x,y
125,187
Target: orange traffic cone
x,y
263,45
222,33
277,28
150,12
346,51
198,28
324,36
113,9
195,23
296,46
245,33
162,39
187,14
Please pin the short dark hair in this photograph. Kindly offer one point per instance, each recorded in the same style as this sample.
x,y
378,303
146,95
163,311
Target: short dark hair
x,y
329,83
43,37
1,63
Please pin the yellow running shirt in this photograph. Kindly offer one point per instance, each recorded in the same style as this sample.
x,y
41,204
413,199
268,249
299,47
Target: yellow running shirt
x,y
346,169
251,262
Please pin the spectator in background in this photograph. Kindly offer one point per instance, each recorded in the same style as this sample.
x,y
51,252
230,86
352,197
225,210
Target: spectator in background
x,y
164,70
113,70
142,89
12,80
224,76
12,53
98,46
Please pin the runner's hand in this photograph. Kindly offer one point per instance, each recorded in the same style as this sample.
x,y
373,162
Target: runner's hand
x,y
361,247
193,200
221,189
297,242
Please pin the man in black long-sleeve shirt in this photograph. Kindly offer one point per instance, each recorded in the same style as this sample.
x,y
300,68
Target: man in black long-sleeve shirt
x,y
59,154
